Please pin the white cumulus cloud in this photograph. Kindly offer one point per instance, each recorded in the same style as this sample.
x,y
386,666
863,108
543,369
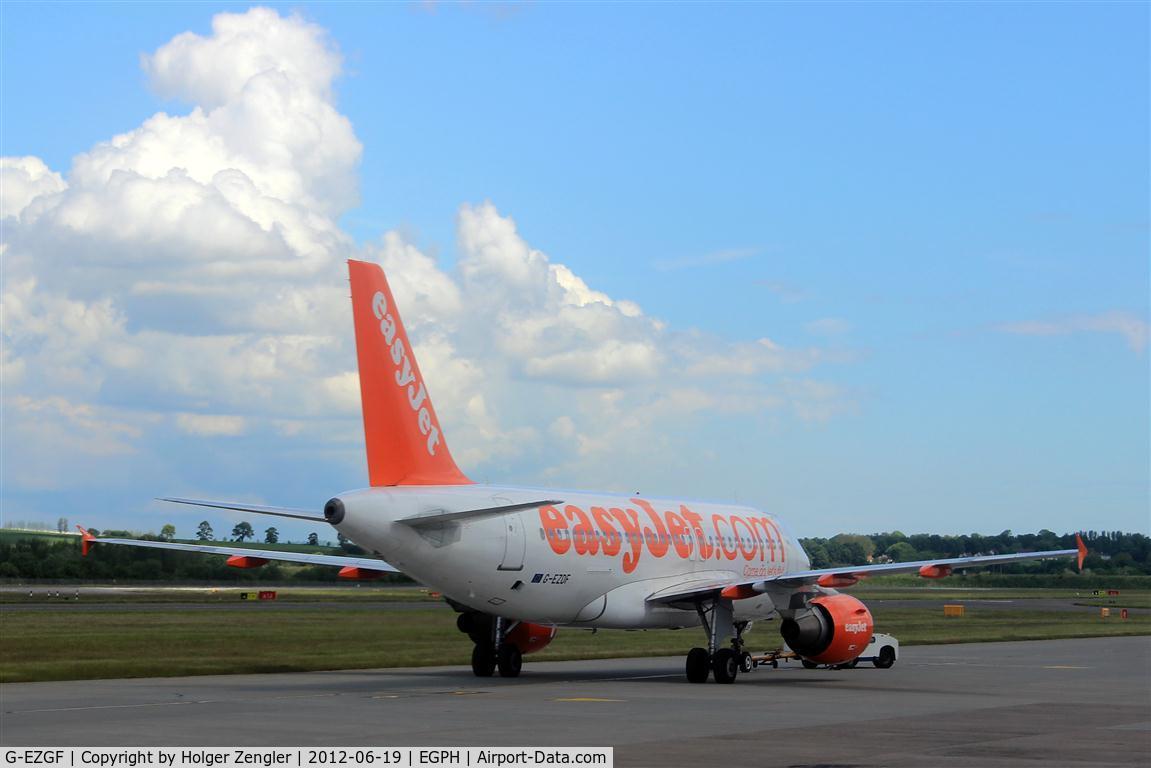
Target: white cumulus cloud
x,y
192,269
22,180
193,263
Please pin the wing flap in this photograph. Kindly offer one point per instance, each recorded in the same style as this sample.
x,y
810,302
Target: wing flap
x,y
688,590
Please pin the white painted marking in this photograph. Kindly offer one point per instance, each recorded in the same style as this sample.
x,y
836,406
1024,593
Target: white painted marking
x,y
106,706
169,703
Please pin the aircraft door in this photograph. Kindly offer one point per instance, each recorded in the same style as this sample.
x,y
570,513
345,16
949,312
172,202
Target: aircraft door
x,y
515,543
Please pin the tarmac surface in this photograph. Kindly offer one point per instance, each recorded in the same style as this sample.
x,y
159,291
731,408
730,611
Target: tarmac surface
x,y
1057,702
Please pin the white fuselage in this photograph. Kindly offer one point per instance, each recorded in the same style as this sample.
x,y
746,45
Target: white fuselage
x,y
591,561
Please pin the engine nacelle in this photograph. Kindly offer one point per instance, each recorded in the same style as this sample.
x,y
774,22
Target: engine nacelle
x,y
834,630
526,636
529,637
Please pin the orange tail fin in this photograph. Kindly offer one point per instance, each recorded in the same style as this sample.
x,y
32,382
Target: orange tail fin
x,y
404,440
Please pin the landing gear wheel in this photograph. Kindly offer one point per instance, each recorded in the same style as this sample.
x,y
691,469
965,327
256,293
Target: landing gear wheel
x,y
725,665
746,663
698,665
483,660
886,658
510,660
808,664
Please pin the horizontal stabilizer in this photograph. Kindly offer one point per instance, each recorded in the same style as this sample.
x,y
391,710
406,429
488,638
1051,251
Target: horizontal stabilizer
x,y
447,517
295,514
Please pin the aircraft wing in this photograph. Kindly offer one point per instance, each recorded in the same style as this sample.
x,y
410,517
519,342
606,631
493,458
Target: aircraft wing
x,y
848,575
252,555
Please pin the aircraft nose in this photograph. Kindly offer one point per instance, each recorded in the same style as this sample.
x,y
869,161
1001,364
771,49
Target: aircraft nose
x,y
334,511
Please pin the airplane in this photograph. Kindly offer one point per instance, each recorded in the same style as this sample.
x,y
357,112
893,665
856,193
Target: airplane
x,y
519,562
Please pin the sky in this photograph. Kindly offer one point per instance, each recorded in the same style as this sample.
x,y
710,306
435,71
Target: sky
x,y
870,267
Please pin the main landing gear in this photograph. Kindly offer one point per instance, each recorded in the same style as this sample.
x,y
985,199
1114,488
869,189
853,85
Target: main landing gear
x,y
491,650
724,663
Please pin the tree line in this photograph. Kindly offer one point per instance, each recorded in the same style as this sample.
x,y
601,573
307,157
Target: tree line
x,y
55,558
38,557
1109,552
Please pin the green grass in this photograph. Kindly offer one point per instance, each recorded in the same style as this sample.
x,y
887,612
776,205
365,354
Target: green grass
x,y
379,592
14,534
1128,598
916,626
62,645
991,579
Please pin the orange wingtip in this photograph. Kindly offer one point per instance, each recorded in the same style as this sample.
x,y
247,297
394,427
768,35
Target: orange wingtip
x,y
1082,550
86,540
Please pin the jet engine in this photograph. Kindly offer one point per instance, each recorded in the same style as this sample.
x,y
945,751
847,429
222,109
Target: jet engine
x,y
526,636
834,629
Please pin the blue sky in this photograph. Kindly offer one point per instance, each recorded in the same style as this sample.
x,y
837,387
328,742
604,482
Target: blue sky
x,y
937,214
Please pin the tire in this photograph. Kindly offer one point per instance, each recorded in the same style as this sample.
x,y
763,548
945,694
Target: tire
x,y
886,658
746,663
510,660
725,665
698,665
483,660
848,664
808,664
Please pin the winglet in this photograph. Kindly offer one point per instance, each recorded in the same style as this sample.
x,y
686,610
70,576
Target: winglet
x,y
1082,550
87,540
